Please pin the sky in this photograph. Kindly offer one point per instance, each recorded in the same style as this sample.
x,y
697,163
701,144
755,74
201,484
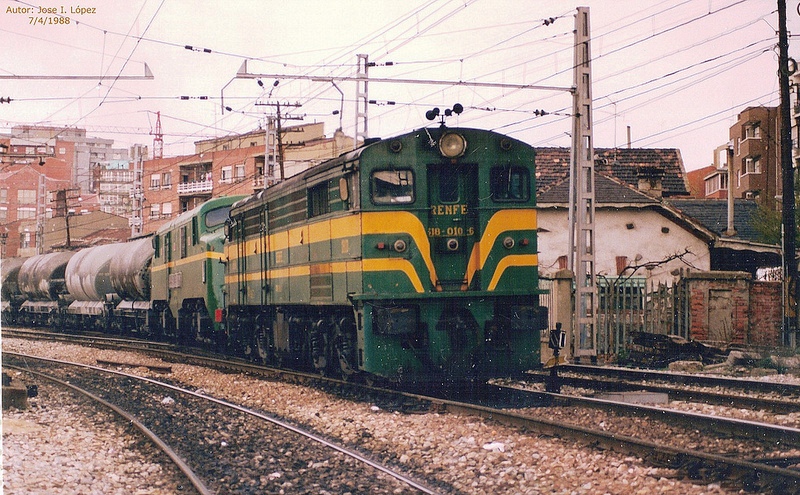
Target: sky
x,y
676,73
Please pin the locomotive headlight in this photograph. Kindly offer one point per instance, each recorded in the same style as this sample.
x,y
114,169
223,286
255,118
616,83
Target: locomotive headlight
x,y
452,145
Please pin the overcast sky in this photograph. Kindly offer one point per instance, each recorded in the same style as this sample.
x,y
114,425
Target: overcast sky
x,y
676,72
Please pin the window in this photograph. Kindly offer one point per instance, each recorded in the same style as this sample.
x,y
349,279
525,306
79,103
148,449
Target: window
x,y
4,195
392,187
753,131
24,213
217,216
155,210
752,165
239,172
318,203
3,214
195,233
25,239
26,196
716,183
448,188
155,181
227,175
168,246
157,246
184,241
166,209
510,183
166,180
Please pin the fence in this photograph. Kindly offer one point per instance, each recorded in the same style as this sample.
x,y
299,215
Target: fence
x,y
714,307
632,305
627,305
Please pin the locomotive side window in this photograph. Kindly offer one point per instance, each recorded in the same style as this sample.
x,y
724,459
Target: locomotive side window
x,y
184,241
392,187
318,203
195,233
510,184
168,246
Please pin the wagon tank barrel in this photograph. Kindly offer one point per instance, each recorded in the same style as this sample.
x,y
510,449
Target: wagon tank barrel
x,y
130,269
41,277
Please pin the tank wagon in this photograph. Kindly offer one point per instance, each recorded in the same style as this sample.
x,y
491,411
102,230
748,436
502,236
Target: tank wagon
x,y
109,287
43,285
10,295
412,259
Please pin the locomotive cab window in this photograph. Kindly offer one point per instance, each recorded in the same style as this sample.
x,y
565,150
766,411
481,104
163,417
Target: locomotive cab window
x,y
392,187
510,183
217,216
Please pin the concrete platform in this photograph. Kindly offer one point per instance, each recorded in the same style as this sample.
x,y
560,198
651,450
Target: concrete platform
x,y
636,397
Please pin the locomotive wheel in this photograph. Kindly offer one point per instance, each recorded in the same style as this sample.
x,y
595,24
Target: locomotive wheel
x,y
262,341
344,346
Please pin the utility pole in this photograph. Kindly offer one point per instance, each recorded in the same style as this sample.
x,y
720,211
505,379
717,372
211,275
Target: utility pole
x,y
137,197
788,200
582,205
63,197
274,125
362,98
41,195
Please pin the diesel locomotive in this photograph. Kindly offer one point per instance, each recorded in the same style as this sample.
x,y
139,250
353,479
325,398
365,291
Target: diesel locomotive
x,y
411,259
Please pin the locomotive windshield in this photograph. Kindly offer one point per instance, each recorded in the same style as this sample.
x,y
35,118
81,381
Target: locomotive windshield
x,y
510,184
392,187
217,216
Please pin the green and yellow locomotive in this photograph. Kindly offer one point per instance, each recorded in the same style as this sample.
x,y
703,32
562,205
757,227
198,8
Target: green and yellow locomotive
x,y
412,259
187,275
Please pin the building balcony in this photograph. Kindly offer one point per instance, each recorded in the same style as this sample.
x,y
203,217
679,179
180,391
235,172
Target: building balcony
x,y
198,187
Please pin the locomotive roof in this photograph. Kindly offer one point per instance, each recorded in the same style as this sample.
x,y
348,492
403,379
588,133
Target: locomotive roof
x,y
349,157
187,215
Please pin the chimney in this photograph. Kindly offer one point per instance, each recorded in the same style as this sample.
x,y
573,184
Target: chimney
x,y
651,179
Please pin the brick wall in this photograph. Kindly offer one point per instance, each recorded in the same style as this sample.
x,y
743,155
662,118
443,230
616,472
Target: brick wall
x,y
765,313
732,308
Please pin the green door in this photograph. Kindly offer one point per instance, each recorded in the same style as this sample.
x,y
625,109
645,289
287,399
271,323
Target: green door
x,y
452,221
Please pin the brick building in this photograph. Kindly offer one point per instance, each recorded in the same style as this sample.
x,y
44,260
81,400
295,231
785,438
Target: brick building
x,y
238,164
24,204
754,153
36,161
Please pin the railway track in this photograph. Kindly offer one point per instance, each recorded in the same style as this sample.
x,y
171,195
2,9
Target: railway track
x,y
752,470
223,447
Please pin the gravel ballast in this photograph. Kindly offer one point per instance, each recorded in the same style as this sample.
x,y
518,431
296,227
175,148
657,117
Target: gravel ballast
x,y
468,453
